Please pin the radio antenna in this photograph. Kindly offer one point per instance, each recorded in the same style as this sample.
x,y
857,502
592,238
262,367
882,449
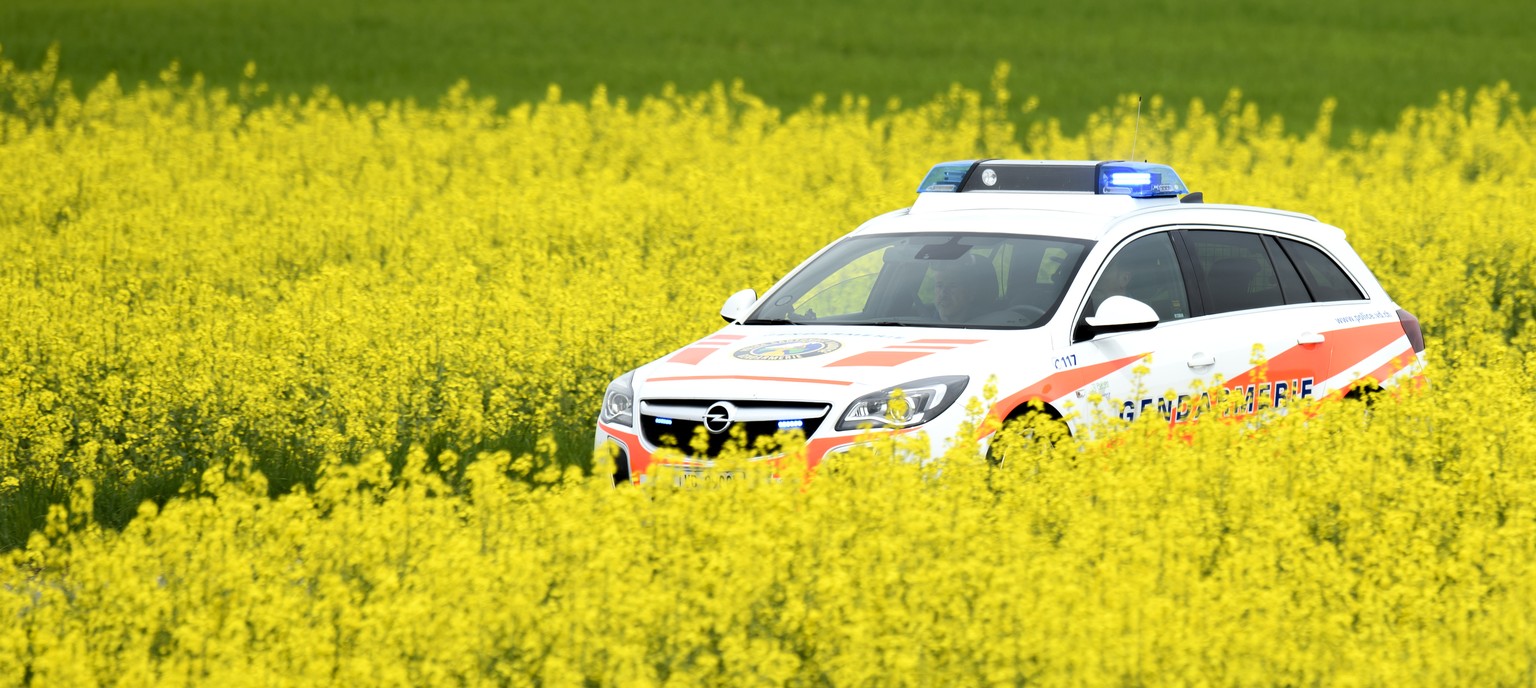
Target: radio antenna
x,y
1135,129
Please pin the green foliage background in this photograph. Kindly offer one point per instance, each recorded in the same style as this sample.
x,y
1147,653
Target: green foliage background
x,y
1377,57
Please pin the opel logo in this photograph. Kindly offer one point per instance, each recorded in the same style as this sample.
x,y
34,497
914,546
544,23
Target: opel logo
x,y
718,418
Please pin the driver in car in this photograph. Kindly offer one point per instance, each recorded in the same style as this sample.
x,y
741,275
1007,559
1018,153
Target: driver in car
x,y
964,288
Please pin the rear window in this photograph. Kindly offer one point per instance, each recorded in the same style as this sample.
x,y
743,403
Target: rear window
x,y
1325,280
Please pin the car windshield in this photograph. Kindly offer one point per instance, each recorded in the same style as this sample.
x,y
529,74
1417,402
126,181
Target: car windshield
x,y
929,280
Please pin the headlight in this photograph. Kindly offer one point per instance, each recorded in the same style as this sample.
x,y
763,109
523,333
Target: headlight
x,y
904,406
619,402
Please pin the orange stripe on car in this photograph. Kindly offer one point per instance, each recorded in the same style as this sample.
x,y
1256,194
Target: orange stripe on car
x,y
1342,350
1354,345
639,457
1059,385
879,359
897,354
692,355
1398,363
1302,360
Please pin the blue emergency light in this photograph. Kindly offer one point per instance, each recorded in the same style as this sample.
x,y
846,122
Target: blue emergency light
x,y
946,176
1140,180
1116,178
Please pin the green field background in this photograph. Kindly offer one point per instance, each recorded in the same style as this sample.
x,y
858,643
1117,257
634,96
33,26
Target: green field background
x,y
1376,57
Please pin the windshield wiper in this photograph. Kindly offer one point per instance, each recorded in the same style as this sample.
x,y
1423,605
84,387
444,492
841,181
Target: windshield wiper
x,y
770,321
911,323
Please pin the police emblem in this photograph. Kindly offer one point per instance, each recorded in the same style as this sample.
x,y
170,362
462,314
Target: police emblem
x,y
788,350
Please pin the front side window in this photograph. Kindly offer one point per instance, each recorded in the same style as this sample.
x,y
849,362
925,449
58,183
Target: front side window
x,y
1145,270
929,280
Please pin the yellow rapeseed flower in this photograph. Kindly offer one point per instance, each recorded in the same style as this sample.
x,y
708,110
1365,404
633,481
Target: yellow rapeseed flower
x,y
407,314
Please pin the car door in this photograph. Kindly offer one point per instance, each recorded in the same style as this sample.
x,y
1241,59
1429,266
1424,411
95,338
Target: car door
x,y
1355,332
1238,309
1149,370
1270,339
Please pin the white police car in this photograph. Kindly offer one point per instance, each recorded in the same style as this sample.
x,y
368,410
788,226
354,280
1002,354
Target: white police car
x,y
1056,278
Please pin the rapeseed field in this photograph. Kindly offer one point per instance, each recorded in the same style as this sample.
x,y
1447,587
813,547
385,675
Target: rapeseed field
x,y
353,351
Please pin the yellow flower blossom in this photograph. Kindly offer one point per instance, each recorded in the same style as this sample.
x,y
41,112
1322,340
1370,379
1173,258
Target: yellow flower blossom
x,y
399,319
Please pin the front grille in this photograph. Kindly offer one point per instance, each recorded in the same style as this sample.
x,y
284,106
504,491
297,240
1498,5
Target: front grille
x,y
674,422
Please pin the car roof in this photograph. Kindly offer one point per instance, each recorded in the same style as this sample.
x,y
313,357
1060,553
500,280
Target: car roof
x,y
1077,216
1079,199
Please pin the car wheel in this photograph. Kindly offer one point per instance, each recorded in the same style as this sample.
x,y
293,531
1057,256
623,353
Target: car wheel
x,y
1027,430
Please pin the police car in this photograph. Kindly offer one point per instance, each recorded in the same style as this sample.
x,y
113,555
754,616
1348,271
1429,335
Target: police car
x,y
1068,283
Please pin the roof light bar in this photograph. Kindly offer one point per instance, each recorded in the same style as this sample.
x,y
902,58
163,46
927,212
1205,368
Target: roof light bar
x,y
1118,178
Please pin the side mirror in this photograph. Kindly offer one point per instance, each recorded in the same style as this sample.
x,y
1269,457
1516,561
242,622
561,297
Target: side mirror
x,y
1120,314
737,306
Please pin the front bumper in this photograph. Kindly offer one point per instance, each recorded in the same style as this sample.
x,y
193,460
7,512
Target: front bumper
x,y
634,460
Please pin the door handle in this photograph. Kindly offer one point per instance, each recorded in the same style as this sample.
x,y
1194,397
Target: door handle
x,y
1201,360
1309,338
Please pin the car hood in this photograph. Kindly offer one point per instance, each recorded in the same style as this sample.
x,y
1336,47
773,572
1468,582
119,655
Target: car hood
x,y
808,362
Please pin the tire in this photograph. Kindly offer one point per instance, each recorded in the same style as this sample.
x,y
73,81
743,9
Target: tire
x,y
1028,430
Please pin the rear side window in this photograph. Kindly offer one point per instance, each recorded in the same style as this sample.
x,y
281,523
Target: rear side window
x,y
1290,280
1235,271
1324,278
